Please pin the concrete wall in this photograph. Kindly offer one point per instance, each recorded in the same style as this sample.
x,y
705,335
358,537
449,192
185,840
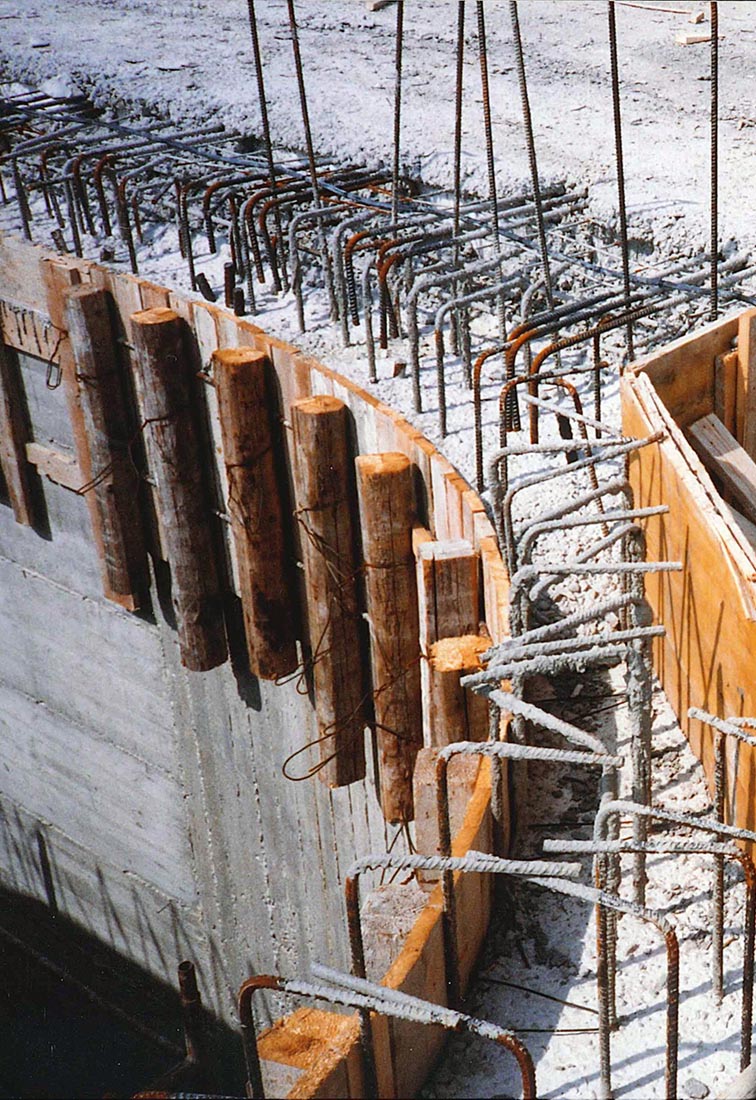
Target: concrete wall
x,y
146,801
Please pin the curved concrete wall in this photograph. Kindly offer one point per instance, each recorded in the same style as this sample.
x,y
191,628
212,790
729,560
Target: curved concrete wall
x,y
156,795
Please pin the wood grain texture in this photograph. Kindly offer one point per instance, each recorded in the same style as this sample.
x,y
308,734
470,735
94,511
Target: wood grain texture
x,y
747,373
176,465
387,508
326,504
250,427
706,657
109,430
18,473
455,713
723,457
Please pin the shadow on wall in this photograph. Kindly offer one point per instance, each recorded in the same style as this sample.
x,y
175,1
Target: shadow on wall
x,y
80,1020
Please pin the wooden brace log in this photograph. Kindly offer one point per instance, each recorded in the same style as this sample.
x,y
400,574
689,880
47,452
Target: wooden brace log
x,y
180,492
385,488
249,426
326,506
18,473
115,482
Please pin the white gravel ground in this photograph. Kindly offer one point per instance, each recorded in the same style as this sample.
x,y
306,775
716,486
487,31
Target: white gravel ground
x,y
192,61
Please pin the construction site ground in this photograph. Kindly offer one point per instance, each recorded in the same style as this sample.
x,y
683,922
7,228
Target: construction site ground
x,y
194,63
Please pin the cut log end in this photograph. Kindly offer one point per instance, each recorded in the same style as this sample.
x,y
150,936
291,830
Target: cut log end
x,y
158,315
323,404
382,465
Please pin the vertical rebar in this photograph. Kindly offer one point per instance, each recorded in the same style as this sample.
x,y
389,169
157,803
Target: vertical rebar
x,y
620,159
717,898
746,1023
263,102
310,152
512,410
532,159
458,92
397,110
714,300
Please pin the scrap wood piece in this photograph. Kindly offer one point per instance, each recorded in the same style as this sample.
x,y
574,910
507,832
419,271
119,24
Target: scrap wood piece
x,y
456,713
18,473
59,467
103,446
175,463
250,424
387,507
326,503
723,456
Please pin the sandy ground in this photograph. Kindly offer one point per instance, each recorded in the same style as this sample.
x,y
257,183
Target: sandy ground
x,y
195,64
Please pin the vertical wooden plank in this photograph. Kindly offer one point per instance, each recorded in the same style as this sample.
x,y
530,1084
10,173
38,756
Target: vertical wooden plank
x,y
21,480
448,602
109,429
725,389
387,508
249,424
746,398
181,494
455,713
326,509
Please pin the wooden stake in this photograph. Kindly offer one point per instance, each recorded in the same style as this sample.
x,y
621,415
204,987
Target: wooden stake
x,y
19,475
326,505
180,491
387,506
747,370
249,422
456,714
104,449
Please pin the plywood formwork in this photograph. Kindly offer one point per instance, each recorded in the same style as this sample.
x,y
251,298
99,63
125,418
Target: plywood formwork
x,y
168,838
708,656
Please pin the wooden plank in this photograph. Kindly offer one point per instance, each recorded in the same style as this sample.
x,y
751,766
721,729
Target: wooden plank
x,y
747,371
29,331
61,468
725,390
177,468
257,503
387,506
723,456
326,509
455,713
18,473
683,371
109,429
706,658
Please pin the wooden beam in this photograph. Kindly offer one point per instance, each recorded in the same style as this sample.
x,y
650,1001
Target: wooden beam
x,y
104,446
180,491
326,503
747,370
455,713
18,473
727,461
250,425
387,506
